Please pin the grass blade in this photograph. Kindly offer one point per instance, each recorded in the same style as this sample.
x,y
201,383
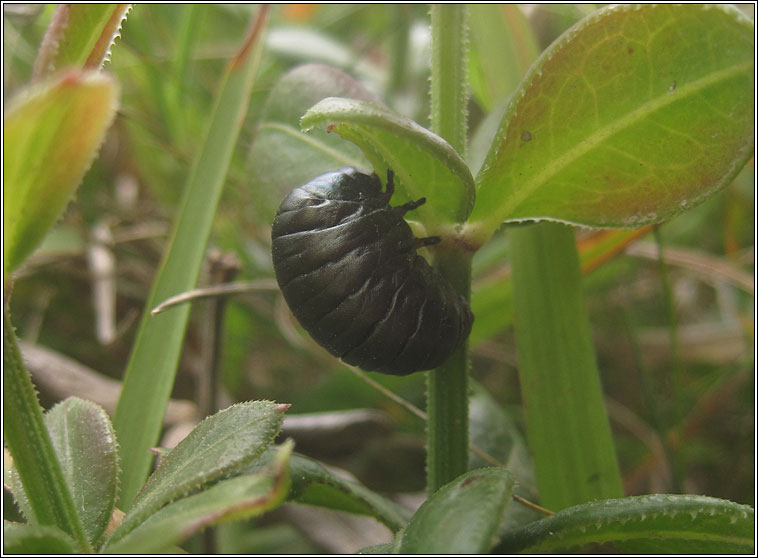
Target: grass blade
x,y
567,425
150,373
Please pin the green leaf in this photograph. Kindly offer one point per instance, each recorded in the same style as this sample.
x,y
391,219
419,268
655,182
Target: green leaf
x,y
221,444
52,132
462,517
567,425
654,524
283,157
36,539
79,36
237,498
632,116
149,376
495,432
86,447
481,139
48,500
12,484
492,304
492,296
314,485
423,163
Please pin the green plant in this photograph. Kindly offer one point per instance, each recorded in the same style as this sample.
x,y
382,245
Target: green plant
x,y
65,467
600,131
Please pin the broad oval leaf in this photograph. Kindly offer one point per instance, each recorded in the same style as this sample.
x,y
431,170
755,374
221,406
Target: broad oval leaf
x,y
79,36
86,448
221,444
462,517
236,498
283,157
655,524
424,164
632,116
51,135
85,444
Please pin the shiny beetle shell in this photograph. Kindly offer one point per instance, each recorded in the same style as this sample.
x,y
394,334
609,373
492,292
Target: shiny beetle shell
x,y
347,265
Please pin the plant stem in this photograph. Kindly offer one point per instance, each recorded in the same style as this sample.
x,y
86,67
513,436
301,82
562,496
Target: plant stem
x,y
447,387
567,423
447,394
449,87
29,443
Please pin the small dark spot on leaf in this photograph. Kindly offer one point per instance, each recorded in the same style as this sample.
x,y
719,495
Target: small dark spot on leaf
x,y
330,127
526,135
630,50
470,480
594,477
672,86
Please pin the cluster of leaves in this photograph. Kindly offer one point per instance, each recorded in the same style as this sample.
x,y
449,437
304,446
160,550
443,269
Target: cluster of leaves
x,y
198,482
566,146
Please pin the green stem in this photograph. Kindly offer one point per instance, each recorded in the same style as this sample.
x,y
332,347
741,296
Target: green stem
x,y
567,424
449,86
447,392
29,443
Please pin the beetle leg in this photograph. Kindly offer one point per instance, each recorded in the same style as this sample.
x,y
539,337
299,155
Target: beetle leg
x,y
390,183
411,205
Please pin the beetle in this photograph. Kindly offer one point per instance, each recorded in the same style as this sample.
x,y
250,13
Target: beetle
x,y
347,265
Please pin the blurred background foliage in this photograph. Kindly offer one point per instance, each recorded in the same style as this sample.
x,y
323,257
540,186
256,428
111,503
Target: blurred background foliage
x,y
675,343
